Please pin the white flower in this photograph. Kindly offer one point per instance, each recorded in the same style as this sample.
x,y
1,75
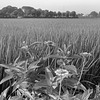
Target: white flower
x,y
68,52
24,42
25,47
86,54
49,43
61,72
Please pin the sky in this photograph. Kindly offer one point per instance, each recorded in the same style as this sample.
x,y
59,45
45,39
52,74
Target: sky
x,y
80,6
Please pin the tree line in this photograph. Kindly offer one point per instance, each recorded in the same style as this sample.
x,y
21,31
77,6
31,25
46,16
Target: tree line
x,y
30,12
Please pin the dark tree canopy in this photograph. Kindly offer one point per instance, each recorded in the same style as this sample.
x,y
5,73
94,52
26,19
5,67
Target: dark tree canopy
x,y
30,12
93,14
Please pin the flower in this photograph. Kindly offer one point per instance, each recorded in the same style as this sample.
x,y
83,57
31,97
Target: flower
x,y
61,72
85,54
60,62
49,43
24,47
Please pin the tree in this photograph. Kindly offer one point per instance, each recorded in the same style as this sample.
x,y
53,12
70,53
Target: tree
x,y
80,15
55,14
38,12
67,14
93,14
73,14
1,14
64,14
14,14
99,14
6,11
17,13
46,13
33,12
51,14
20,12
59,14
27,11
30,12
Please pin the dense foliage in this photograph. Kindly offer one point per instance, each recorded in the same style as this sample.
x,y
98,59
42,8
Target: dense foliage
x,y
30,12
47,75
31,67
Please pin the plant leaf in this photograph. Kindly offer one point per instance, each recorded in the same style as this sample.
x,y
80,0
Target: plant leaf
x,y
33,65
65,48
8,71
70,82
16,98
49,75
17,84
27,93
81,86
40,84
71,68
20,63
10,67
5,66
3,94
24,85
6,78
86,94
66,96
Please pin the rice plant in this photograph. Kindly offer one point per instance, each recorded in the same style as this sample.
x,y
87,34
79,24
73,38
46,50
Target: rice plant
x,y
49,60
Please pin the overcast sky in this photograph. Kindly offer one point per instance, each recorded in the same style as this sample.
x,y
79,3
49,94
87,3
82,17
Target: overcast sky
x,y
84,6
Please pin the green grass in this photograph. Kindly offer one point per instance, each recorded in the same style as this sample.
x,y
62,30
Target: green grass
x,y
58,30
82,34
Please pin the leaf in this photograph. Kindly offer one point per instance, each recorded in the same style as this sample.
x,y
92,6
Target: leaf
x,y
81,86
15,62
20,63
3,94
40,84
19,93
10,67
66,96
27,93
24,85
34,43
70,82
49,43
6,78
49,75
60,62
16,98
65,48
22,66
33,65
71,68
5,66
17,84
52,96
86,94
8,71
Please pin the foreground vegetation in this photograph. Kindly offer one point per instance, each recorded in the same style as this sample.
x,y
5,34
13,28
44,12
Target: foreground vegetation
x,y
49,59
